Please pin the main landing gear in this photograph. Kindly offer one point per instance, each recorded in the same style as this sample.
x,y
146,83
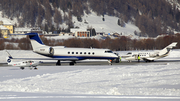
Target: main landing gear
x,y
149,60
35,68
22,68
72,63
58,63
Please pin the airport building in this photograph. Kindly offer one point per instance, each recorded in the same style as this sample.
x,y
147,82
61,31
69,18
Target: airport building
x,y
80,32
6,28
24,30
4,31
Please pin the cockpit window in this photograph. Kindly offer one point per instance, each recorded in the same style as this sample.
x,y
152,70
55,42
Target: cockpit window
x,y
108,51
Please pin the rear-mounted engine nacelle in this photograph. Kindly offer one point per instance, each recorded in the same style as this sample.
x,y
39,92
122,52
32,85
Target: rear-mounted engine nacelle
x,y
45,50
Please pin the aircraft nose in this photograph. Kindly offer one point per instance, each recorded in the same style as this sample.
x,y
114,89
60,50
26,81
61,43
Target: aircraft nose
x,y
114,56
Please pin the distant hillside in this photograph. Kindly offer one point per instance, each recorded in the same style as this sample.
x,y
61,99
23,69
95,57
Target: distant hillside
x,y
152,17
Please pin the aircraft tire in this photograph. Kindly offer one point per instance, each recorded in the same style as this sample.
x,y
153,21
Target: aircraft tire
x,y
71,63
58,63
22,68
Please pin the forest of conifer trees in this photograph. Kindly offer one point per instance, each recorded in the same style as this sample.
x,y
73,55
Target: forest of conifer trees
x,y
121,44
152,17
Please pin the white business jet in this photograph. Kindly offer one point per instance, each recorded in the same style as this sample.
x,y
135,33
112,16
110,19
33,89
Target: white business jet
x,y
62,53
150,56
22,64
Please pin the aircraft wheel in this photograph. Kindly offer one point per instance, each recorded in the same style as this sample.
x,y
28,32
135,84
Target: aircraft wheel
x,y
35,68
22,68
58,63
71,63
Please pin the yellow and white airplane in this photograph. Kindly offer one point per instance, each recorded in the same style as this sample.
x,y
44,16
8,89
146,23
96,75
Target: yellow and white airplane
x,y
150,56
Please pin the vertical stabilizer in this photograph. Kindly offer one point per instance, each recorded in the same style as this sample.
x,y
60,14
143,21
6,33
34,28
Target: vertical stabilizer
x,y
9,57
35,40
167,49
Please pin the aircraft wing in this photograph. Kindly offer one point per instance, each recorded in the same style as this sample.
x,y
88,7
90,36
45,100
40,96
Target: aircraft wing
x,y
62,59
125,56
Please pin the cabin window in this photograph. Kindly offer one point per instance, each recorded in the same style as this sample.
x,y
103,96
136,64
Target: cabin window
x,y
84,52
93,53
76,52
89,53
72,52
108,52
68,52
80,52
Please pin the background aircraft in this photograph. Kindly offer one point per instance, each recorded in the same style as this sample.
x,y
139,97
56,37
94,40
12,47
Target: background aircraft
x,y
22,64
62,53
150,56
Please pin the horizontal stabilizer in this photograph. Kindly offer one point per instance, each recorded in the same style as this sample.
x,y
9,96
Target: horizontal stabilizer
x,y
172,45
167,49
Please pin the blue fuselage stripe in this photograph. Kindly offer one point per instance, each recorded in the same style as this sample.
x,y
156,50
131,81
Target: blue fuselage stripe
x,y
78,57
81,57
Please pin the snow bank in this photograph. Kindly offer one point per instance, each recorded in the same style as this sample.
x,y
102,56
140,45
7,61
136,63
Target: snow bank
x,y
151,80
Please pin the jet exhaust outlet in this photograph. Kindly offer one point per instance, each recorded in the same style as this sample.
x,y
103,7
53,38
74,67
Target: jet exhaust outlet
x,y
51,51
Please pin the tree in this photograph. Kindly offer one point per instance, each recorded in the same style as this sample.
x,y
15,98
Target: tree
x,y
10,47
1,34
46,28
103,19
93,32
79,18
121,23
57,17
41,14
24,44
2,44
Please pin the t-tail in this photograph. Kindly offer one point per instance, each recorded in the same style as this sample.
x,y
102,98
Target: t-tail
x,y
9,59
38,46
35,40
166,50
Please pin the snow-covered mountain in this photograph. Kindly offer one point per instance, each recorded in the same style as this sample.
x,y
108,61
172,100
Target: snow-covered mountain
x,y
150,18
109,25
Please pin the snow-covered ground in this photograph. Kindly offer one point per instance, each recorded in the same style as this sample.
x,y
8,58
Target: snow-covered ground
x,y
141,81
